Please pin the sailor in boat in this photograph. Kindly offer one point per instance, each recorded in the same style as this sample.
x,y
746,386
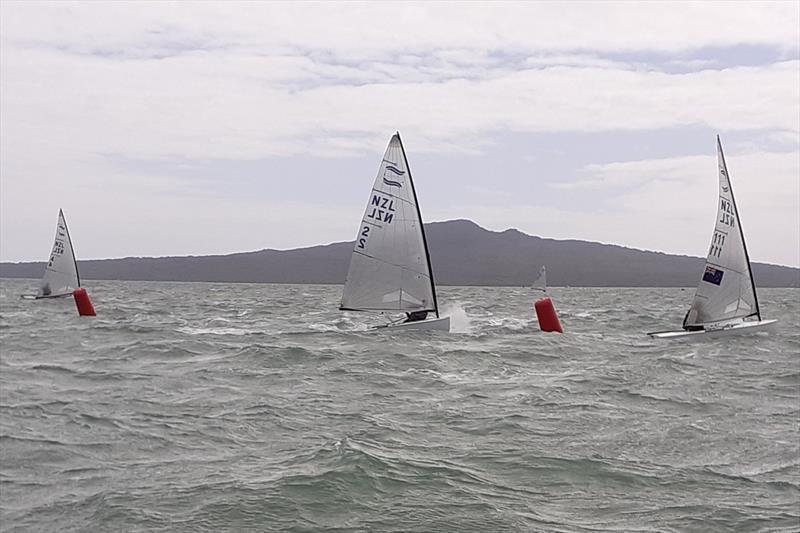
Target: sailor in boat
x,y
691,314
46,289
415,316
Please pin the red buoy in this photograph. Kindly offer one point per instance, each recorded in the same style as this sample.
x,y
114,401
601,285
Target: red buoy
x,y
546,313
85,307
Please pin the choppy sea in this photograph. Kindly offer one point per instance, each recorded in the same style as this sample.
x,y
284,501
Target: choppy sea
x,y
237,407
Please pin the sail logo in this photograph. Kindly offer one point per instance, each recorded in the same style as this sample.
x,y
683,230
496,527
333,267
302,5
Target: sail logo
x,y
393,169
397,172
713,275
724,173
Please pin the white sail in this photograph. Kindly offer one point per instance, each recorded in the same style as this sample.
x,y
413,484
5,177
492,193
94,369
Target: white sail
x,y
540,284
61,272
726,290
390,267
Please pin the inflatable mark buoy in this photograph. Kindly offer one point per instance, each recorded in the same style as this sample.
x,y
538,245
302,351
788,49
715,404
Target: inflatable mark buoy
x,y
83,302
546,313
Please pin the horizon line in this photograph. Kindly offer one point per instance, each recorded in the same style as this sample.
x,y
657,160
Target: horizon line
x,y
223,254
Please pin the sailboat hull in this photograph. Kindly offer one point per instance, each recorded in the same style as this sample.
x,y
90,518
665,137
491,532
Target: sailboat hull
x,y
741,328
35,297
433,324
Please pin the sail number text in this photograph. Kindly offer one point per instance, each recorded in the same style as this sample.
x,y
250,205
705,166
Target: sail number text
x,y
726,214
381,209
362,237
58,249
716,244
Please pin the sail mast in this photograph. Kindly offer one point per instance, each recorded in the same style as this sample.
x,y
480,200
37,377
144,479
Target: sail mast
x,y
69,239
741,231
421,227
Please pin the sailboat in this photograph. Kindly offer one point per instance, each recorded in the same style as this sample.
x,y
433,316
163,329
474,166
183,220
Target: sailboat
x,y
390,269
61,273
725,302
540,283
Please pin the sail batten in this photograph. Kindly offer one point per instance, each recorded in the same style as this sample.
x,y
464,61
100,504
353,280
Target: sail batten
x,y
61,272
726,289
390,265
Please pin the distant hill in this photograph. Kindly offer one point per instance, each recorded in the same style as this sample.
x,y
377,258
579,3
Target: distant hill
x,y
462,253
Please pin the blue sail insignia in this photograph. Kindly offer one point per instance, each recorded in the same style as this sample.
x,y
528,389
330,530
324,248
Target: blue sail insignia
x,y
396,171
392,168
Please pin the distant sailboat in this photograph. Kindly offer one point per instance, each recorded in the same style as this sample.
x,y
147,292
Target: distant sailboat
x,y
540,283
725,301
61,273
545,310
390,269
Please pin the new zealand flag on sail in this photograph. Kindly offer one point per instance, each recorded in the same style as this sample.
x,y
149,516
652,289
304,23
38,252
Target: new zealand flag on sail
x,y
713,275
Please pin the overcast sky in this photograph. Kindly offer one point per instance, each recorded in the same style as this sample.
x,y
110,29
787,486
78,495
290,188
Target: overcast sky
x,y
200,128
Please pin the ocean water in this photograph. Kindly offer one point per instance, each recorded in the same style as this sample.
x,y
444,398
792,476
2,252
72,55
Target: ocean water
x,y
235,407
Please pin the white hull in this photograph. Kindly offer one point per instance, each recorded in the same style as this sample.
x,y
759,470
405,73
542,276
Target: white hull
x,y
65,295
35,297
433,324
740,328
